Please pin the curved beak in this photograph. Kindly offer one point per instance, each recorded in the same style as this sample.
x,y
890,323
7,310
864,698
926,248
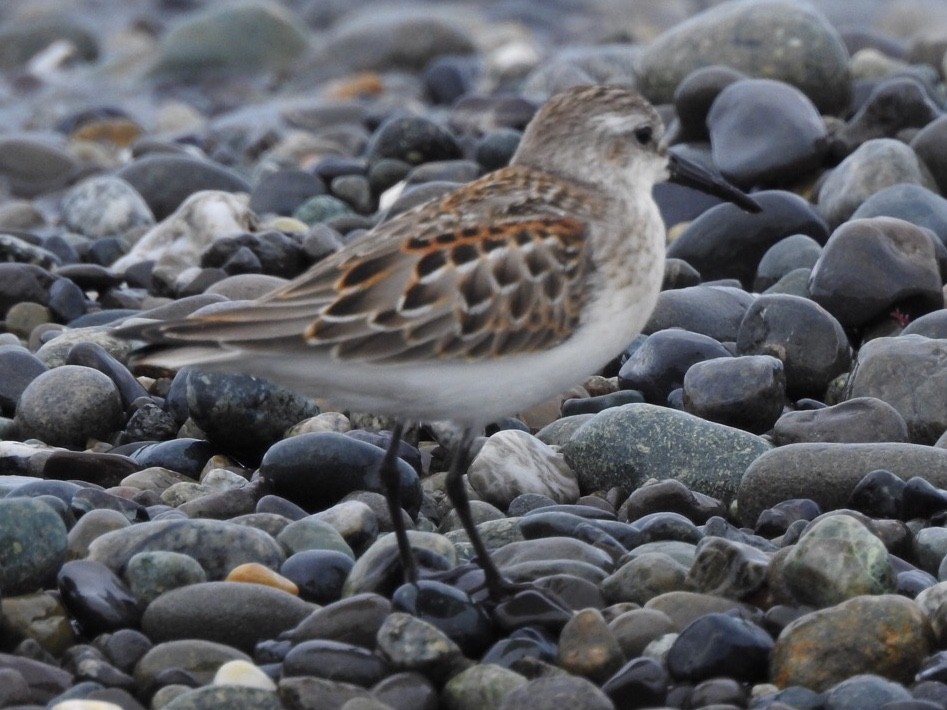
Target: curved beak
x,y
690,174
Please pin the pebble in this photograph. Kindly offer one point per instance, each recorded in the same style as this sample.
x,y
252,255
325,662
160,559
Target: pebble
x,y
714,311
912,203
928,144
856,420
795,252
720,644
919,362
82,208
33,544
743,392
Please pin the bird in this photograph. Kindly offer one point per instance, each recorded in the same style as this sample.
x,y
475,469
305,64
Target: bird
x,y
476,305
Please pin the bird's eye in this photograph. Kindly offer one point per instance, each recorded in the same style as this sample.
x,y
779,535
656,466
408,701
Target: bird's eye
x,y
643,134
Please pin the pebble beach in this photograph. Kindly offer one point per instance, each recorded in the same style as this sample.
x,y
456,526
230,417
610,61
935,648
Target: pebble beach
x,y
745,509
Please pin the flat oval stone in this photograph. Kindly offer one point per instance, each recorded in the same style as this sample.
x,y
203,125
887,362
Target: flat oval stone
x,y
33,544
827,473
209,610
720,645
96,597
856,420
335,660
233,697
152,573
352,620
319,574
200,659
217,545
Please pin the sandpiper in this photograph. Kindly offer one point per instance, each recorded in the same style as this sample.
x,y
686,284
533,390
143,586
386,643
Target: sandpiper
x,y
478,304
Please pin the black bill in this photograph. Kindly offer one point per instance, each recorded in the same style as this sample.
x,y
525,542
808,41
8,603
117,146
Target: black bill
x,y
690,174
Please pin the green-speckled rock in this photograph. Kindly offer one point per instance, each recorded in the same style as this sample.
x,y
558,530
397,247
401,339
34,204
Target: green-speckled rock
x,y
232,697
774,39
321,208
480,686
270,39
199,658
151,574
827,473
558,432
887,635
33,545
408,643
625,446
235,613
837,559
217,545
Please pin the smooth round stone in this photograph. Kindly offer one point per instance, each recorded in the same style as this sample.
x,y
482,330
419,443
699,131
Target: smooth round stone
x,y
929,144
407,691
867,691
726,242
873,166
317,470
408,643
921,499
587,647
879,495
90,526
786,256
861,419
312,534
33,544
641,682
912,203
592,405
151,574
480,686
684,607
837,559
513,462
283,191
198,658
96,598
335,660
696,93
523,643
728,568
658,366
795,283
895,104
22,318
244,413
68,405
708,458
356,191
495,149
195,611
414,140
321,208
103,206
449,610
217,546
827,473
930,548
233,697
744,392
165,181
319,574
719,692
808,340
636,628
670,496
551,549
678,274
765,132
870,266
930,325
557,691
33,165
916,392
54,352
354,620
124,648
720,645
885,635
713,311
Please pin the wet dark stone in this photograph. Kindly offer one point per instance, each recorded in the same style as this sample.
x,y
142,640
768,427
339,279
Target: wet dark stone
x,y
640,683
715,311
89,499
921,499
414,140
746,392
495,149
672,496
557,691
785,256
319,574
666,526
270,252
929,144
45,681
593,405
696,93
280,506
186,456
18,367
351,620
448,609
166,180
931,325
718,691
810,342
522,643
726,242
720,645
765,132
775,521
658,366
406,451
104,470
678,274
530,607
63,490
124,648
912,203
931,690
336,661
878,495
23,282
96,598
407,691
447,78
860,419
317,470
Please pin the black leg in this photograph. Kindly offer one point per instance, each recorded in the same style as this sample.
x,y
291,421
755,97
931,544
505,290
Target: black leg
x,y
497,584
391,482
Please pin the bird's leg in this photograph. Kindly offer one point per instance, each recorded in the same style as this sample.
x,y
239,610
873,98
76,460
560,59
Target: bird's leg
x,y
497,585
391,482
